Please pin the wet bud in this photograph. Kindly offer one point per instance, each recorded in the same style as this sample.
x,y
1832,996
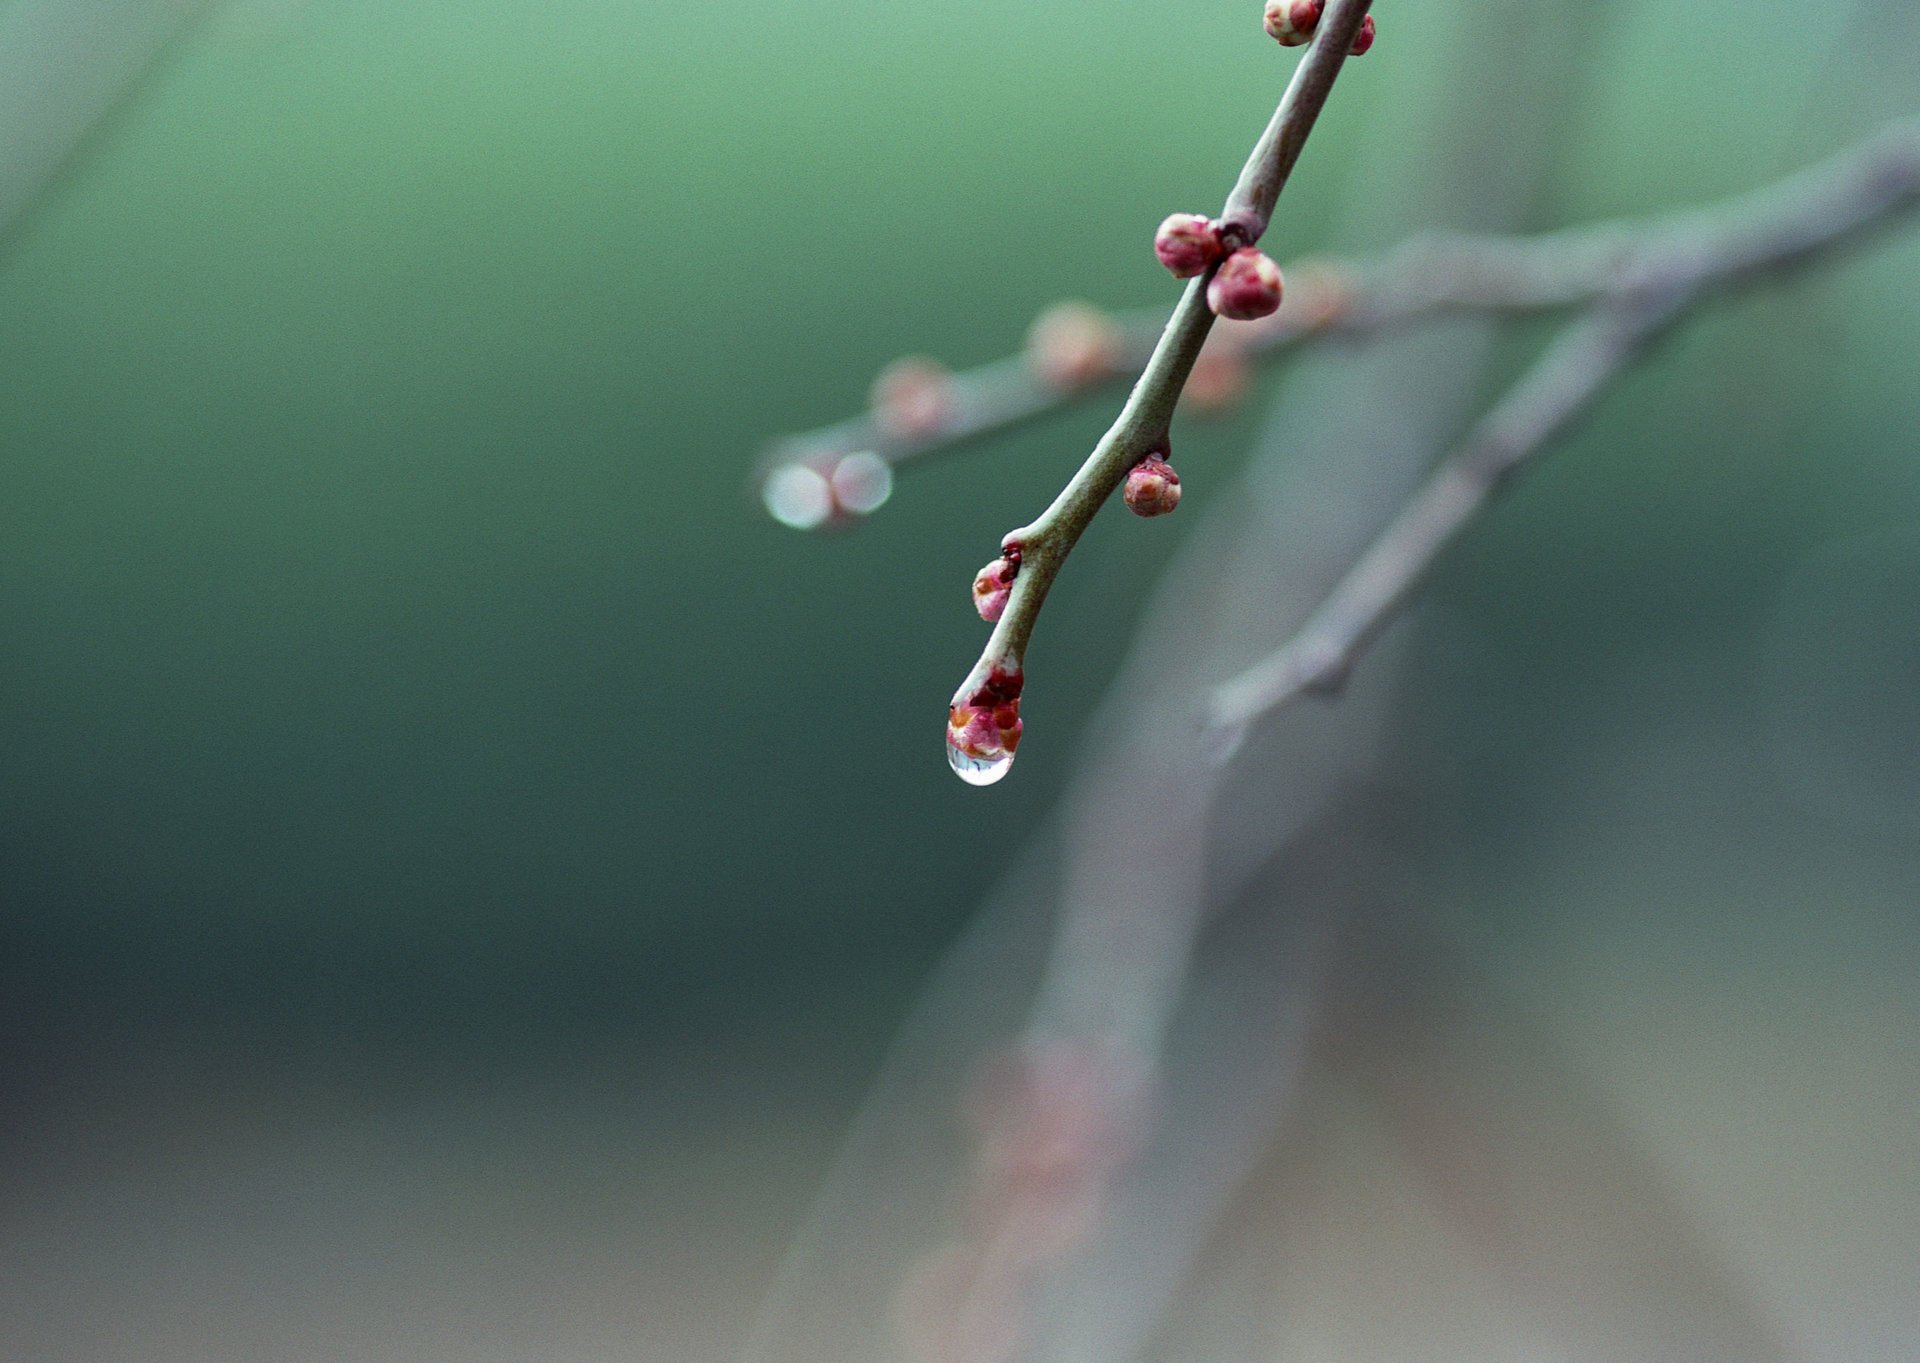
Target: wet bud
x,y
984,728
1364,38
914,396
1072,345
1186,244
992,585
1220,375
1291,22
1152,487
1246,287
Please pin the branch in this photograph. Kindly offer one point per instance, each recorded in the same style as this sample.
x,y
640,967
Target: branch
x,y
1654,282
1427,277
983,717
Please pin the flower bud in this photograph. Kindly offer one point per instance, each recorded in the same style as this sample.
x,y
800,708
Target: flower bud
x,y
914,397
1186,244
1291,22
1152,487
1364,38
993,584
1246,287
1073,344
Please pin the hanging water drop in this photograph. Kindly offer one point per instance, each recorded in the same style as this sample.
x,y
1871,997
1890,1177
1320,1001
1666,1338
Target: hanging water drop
x,y
977,769
983,729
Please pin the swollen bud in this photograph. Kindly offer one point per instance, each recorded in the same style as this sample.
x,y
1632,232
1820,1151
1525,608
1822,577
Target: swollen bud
x,y
1364,38
993,584
1152,487
1073,344
914,397
1186,244
1291,22
1247,287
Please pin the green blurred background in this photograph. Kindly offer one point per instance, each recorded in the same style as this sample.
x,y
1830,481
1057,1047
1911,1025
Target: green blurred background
x,y
420,745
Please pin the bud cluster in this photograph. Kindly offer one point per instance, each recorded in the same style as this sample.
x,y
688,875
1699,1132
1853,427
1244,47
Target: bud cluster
x,y
1292,22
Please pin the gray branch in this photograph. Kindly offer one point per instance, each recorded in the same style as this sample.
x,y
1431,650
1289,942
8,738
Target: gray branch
x,y
1642,283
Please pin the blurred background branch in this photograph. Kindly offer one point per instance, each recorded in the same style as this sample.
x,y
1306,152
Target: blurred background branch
x,y
1655,277
65,66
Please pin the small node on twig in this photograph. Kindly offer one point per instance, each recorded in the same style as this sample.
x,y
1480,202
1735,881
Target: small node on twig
x,y
1187,244
993,584
1073,344
1152,487
983,728
914,397
827,490
1246,287
1363,39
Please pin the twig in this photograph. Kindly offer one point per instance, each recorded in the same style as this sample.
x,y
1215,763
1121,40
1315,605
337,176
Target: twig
x,y
1654,282
1142,426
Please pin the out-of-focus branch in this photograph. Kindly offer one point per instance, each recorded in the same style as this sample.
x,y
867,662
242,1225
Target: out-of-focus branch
x,y
64,67
1653,281
1426,277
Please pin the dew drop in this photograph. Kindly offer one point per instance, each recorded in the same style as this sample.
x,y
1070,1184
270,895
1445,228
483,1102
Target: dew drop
x,y
977,769
862,482
798,496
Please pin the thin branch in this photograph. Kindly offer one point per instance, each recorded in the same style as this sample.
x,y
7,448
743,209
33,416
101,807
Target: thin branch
x,y
1655,282
1142,425
1427,277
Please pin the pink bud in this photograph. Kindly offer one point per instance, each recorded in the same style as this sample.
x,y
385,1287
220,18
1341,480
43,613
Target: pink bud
x,y
914,397
1246,287
1364,38
993,584
1186,244
1152,487
1073,344
1291,22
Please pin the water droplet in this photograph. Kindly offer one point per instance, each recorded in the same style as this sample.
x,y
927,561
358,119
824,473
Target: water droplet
x,y
862,482
977,768
981,737
799,496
